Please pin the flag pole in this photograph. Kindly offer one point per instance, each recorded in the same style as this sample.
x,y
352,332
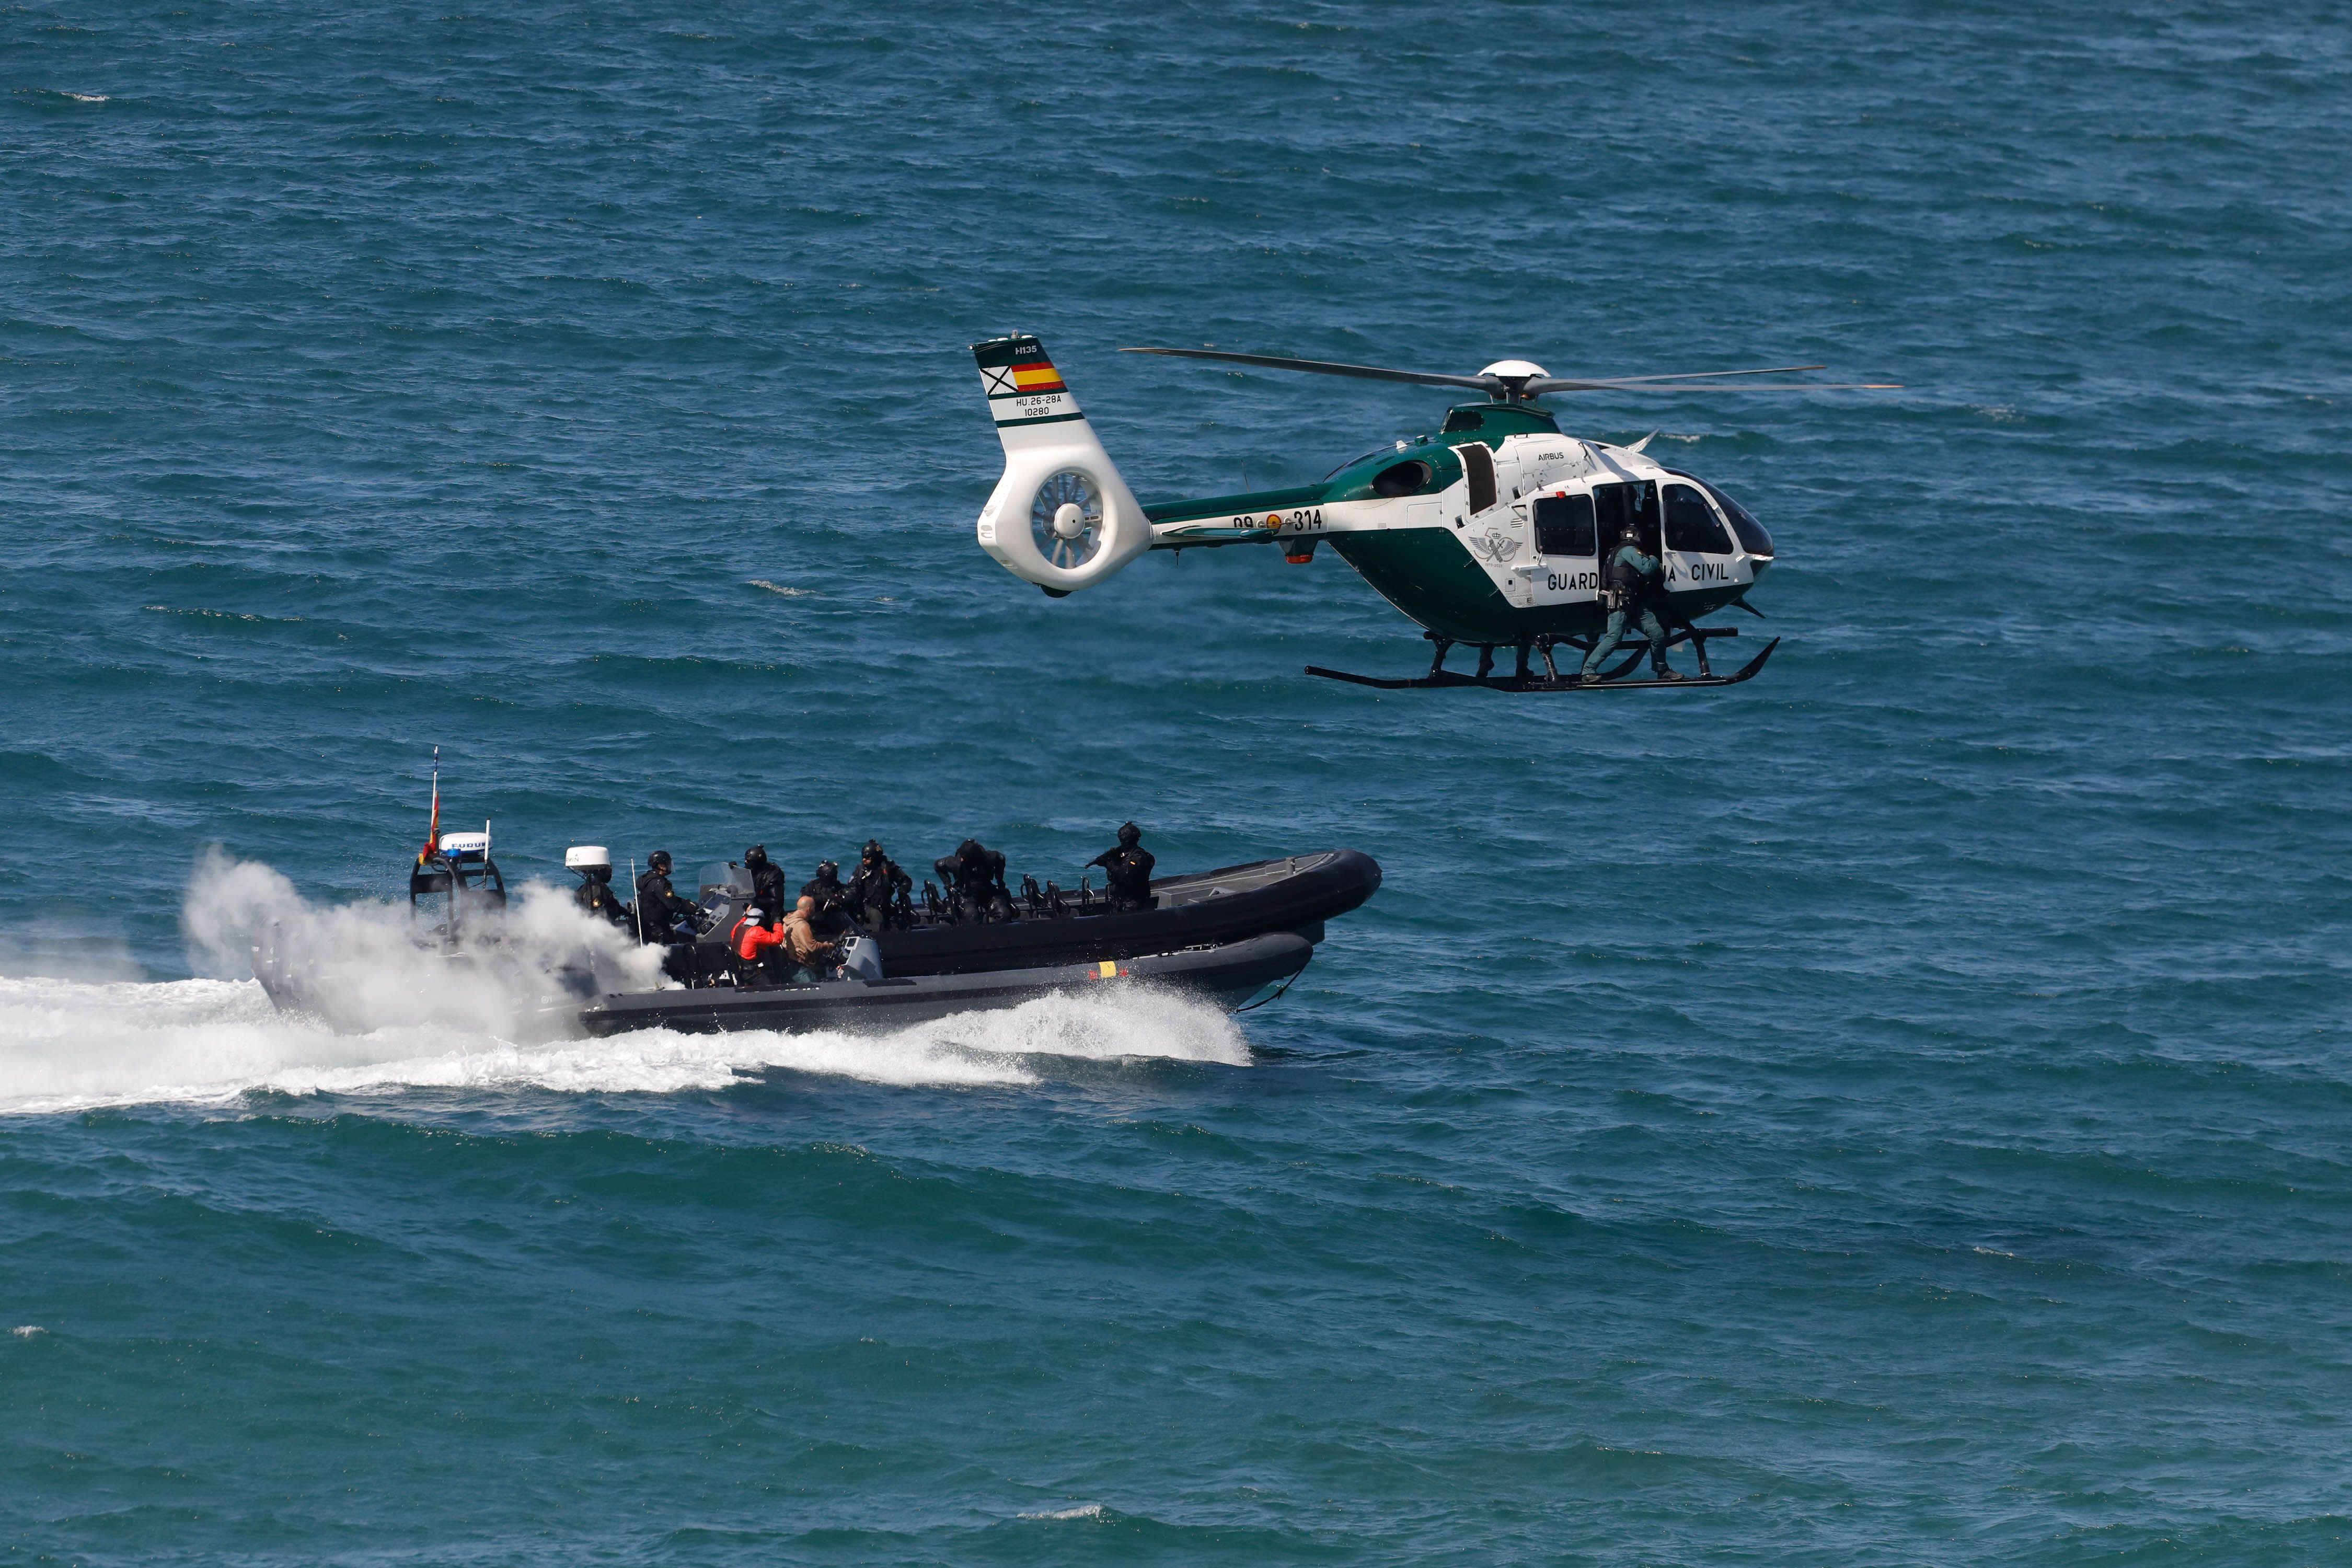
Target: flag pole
x,y
433,831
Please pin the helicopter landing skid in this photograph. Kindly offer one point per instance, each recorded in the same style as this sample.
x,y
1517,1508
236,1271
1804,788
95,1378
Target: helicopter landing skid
x,y
1553,680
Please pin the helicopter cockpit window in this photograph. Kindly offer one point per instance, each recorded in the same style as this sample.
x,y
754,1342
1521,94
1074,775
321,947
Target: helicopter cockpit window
x,y
1564,525
1401,479
1462,419
1753,539
1692,525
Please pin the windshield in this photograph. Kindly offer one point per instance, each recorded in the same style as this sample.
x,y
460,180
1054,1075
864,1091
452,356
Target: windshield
x,y
1753,539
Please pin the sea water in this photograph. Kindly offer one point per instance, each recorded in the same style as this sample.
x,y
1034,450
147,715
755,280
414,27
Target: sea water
x,y
1892,1111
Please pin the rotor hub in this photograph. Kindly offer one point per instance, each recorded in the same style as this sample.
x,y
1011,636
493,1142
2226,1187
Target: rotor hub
x,y
1514,374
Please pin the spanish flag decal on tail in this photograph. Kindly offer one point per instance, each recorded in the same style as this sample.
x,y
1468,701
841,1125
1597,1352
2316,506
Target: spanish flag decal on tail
x,y
1022,385
1060,516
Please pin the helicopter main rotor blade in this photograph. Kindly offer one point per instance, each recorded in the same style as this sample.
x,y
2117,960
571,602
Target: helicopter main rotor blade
x,y
1555,383
1329,367
1692,375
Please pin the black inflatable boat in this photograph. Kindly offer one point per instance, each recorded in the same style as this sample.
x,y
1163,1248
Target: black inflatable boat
x,y
1225,936
1230,975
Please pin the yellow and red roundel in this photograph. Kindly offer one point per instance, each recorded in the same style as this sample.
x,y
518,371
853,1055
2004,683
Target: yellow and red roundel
x,y
1039,377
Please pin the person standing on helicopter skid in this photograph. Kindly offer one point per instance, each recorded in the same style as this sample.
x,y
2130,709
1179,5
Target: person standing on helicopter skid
x,y
1637,592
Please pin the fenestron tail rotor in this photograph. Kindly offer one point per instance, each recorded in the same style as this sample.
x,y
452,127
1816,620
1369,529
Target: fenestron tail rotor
x,y
1065,519
1507,380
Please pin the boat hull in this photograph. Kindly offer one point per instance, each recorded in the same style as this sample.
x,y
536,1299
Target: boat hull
x,y
1228,975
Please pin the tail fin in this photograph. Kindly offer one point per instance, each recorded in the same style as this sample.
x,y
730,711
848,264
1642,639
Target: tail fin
x,y
1061,517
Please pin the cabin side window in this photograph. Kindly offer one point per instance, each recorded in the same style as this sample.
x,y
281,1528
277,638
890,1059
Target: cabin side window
x,y
1564,525
1692,525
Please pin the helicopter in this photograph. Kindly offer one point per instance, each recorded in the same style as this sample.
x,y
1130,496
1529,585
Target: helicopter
x,y
1494,530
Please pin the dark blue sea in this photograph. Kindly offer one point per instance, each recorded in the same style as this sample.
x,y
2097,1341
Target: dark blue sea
x,y
1896,1111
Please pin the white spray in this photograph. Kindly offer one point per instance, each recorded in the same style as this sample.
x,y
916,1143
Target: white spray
x,y
405,1020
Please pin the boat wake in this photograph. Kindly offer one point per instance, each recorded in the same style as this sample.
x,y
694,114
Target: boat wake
x,y
69,1045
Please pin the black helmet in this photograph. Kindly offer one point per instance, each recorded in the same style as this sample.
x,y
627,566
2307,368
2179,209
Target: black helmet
x,y
969,849
873,850
828,868
658,860
1130,835
756,855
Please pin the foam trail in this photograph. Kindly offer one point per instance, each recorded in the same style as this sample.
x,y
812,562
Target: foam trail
x,y
70,1045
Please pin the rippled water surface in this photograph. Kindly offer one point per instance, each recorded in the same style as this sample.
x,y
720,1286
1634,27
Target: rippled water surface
x,y
1895,1111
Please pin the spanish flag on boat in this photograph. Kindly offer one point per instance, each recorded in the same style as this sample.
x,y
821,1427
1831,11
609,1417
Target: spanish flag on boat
x,y
432,833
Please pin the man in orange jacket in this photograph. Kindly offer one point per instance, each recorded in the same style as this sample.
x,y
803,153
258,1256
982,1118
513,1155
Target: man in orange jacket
x,y
751,935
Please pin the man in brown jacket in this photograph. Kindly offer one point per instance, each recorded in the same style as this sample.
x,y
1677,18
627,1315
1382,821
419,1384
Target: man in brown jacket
x,y
813,957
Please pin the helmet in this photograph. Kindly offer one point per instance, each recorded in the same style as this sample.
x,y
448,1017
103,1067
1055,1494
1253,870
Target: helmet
x,y
873,850
969,849
1130,835
828,868
756,855
754,913
658,859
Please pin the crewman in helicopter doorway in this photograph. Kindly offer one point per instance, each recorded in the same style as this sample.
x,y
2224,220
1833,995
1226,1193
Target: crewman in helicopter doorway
x,y
1636,589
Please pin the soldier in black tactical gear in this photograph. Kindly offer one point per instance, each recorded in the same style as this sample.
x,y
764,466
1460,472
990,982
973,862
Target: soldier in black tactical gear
x,y
875,886
1636,593
1127,870
977,873
831,916
659,909
767,880
595,895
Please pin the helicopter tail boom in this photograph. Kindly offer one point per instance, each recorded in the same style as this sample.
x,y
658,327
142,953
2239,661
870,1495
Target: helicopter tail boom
x,y
1061,516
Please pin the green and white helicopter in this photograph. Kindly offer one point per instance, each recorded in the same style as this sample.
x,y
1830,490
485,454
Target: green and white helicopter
x,y
1493,531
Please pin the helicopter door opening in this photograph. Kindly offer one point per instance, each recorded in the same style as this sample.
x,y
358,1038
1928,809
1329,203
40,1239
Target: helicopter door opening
x,y
1567,544
1478,468
1626,511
